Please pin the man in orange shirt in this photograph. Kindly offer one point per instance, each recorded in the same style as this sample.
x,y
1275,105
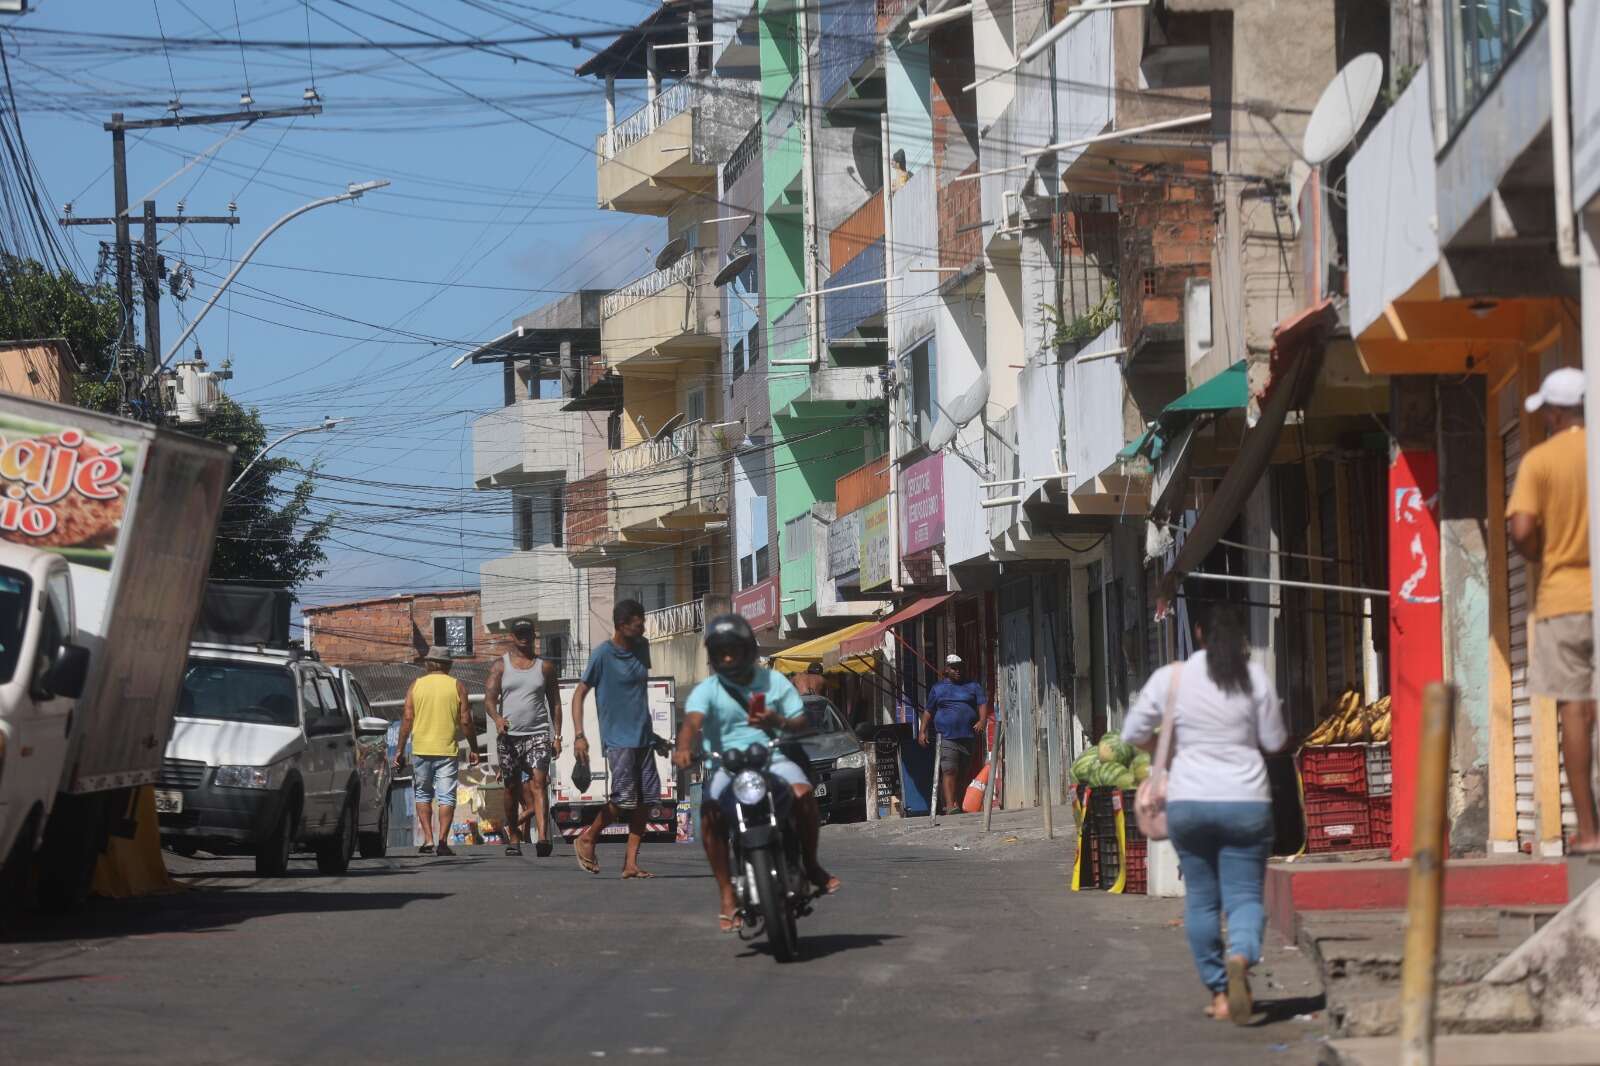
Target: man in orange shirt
x,y
1549,516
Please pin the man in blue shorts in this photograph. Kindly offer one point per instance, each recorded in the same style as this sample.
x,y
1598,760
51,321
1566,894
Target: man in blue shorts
x,y
619,674
739,705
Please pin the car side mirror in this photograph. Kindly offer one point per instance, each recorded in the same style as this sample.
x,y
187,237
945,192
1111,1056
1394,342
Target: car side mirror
x,y
372,725
68,672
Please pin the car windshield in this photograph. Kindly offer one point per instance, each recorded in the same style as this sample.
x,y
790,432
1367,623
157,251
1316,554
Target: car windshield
x,y
238,692
15,588
823,715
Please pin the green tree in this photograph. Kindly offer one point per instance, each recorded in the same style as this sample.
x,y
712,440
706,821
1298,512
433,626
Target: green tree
x,y
267,533
37,303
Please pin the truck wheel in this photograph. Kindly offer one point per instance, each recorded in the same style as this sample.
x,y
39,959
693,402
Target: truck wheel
x,y
272,852
333,854
376,845
73,839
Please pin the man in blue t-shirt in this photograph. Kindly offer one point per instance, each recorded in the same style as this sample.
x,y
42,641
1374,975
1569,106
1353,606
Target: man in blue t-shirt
x,y
742,704
619,672
959,710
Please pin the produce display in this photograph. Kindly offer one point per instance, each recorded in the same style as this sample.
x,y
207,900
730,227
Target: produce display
x,y
1113,763
1347,721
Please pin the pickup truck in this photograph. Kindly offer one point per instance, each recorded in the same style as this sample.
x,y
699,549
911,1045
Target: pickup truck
x,y
106,533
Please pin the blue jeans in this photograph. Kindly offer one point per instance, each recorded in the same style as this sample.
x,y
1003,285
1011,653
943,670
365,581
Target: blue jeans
x,y
1222,850
433,779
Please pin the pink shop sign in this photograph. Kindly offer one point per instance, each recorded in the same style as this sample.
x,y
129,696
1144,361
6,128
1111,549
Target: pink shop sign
x,y
922,505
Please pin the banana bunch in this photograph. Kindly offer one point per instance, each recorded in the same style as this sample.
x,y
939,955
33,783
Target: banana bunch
x,y
1345,722
1380,722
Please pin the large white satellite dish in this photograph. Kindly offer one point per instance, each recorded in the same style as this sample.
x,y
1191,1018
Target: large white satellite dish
x,y
1343,108
958,412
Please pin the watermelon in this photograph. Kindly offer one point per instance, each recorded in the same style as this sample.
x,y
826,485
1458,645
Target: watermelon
x,y
1140,766
1123,778
1084,765
1113,749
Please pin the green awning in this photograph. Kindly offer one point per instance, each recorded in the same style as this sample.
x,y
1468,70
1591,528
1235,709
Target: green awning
x,y
1137,448
1228,391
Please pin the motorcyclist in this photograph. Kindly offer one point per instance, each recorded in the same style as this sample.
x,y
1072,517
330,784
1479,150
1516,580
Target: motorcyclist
x,y
741,704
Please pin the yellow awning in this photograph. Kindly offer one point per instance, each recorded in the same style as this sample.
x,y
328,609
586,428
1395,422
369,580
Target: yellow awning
x,y
796,659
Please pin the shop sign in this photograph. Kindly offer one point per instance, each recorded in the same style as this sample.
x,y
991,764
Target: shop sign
x,y
1416,618
758,603
877,567
844,547
922,505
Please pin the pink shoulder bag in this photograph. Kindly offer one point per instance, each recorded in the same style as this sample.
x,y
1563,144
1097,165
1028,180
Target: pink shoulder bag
x,y
1150,802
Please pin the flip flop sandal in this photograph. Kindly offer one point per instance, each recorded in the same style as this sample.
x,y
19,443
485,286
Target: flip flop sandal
x,y
586,863
728,923
638,875
425,849
514,849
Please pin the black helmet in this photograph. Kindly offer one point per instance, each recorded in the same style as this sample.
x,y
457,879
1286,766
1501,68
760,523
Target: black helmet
x,y
731,633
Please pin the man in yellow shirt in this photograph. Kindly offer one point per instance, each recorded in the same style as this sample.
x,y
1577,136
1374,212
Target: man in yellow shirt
x,y
1549,516
436,715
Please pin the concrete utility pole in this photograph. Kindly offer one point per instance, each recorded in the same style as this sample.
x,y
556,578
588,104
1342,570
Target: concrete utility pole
x,y
118,127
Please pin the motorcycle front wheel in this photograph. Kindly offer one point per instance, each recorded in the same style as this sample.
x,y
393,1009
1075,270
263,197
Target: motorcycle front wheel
x,y
768,876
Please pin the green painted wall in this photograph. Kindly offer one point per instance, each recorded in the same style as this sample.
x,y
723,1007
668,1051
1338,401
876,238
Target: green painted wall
x,y
909,81
806,464
780,51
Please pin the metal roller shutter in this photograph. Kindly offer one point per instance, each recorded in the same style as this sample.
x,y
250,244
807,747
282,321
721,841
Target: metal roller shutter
x,y
1334,617
1521,705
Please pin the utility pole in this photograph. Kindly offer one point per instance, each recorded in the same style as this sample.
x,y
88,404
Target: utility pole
x,y
118,128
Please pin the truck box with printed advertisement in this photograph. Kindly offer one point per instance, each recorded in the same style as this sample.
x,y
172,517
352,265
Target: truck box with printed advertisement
x,y
571,809
106,533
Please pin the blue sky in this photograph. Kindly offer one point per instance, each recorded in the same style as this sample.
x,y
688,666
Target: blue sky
x,y
490,203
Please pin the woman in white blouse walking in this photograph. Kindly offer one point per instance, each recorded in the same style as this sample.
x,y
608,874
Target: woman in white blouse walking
x,y
1219,803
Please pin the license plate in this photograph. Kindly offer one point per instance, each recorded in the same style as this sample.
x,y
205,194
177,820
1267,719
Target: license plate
x,y
822,790
168,802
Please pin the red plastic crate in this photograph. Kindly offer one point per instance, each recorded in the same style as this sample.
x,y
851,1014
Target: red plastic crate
x,y
1138,883
1337,823
1342,767
1382,812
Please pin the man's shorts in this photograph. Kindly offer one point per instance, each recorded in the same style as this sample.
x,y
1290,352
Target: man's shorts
x,y
433,778
953,754
632,776
779,765
523,753
1561,660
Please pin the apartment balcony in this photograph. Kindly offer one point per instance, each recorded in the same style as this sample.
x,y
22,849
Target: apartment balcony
x,y
539,583
665,319
526,441
679,482
671,621
847,48
671,147
853,306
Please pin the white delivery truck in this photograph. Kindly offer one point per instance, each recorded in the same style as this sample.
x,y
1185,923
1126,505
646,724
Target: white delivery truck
x,y
573,810
106,532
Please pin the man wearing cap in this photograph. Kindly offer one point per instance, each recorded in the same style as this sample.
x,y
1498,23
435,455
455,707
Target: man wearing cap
x,y
959,710
520,698
436,715
1549,518
810,682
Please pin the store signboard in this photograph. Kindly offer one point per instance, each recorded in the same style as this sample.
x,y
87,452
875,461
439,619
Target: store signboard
x,y
1416,617
877,566
758,603
922,505
844,548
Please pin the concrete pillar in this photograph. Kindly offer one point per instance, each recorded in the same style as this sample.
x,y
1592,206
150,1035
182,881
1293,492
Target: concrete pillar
x,y
694,44
652,84
1589,279
611,114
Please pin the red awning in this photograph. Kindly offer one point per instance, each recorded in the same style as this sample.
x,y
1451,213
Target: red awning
x,y
867,641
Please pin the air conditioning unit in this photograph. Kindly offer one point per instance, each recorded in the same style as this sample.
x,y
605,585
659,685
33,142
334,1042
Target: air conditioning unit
x,y
192,392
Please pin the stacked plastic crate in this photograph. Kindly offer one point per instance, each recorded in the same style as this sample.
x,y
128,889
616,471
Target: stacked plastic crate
x,y
1380,791
1104,805
1333,780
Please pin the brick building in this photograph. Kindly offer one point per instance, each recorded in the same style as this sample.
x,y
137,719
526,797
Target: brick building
x,y
398,629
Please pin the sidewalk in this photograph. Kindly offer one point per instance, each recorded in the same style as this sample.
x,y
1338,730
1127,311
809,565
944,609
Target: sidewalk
x,y
1013,834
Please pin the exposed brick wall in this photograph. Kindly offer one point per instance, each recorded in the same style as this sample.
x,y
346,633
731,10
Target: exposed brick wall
x,y
586,511
1167,227
397,629
960,222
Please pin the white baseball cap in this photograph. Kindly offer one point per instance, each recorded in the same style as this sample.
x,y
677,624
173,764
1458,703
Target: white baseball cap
x,y
1561,388
952,659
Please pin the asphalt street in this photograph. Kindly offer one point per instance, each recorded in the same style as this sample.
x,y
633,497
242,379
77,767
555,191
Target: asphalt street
x,y
930,955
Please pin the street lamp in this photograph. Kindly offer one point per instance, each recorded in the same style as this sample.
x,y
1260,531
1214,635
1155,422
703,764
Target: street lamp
x,y
325,424
352,191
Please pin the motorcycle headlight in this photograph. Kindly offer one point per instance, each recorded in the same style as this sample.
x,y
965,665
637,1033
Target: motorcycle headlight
x,y
856,760
749,788
249,776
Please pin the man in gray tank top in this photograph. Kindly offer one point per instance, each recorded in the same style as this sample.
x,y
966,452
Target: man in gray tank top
x,y
520,697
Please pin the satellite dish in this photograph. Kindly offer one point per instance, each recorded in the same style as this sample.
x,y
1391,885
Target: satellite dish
x,y
735,266
671,253
1343,108
959,412
666,430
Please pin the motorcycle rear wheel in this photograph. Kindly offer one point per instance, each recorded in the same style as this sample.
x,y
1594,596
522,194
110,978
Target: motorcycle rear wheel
x,y
768,876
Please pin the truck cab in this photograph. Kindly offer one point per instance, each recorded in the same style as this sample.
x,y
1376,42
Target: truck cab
x,y
42,669
263,759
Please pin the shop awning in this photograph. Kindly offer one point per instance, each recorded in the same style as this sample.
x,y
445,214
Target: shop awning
x,y
1297,344
866,642
794,660
1228,391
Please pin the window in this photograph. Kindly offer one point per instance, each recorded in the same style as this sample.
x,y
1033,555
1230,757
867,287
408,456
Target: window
x,y
700,573
921,366
1481,36
524,523
454,631
237,692
555,648
614,431
16,594
797,537
750,519
743,304
557,517
694,404
763,566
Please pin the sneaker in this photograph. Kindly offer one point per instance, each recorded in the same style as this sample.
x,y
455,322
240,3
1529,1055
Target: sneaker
x,y
445,849
426,849
543,849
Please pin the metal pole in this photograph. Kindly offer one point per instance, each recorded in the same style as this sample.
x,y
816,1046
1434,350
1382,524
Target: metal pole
x,y
891,356
1424,902
152,286
119,178
995,759
326,424
936,791
1041,768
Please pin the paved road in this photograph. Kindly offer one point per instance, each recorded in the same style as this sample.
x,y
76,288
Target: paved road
x,y
931,955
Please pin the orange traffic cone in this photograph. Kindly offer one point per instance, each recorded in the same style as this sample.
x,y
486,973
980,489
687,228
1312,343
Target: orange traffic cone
x,y
972,802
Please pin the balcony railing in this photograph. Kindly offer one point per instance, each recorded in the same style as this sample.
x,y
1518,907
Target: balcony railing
x,y
679,618
748,152
789,330
647,286
849,308
1481,37
862,485
683,441
667,105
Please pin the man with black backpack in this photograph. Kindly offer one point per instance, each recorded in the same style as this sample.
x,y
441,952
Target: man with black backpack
x,y
738,705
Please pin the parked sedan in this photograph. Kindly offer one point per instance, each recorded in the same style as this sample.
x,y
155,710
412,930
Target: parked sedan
x,y
838,762
373,766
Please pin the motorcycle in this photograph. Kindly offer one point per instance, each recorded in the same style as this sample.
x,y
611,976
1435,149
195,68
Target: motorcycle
x,y
764,853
